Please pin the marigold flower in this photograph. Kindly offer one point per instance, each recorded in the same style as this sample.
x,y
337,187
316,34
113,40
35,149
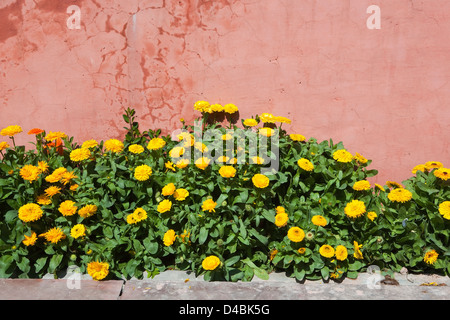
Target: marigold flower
x,y
54,235
209,205
182,163
380,187
355,209
30,240
267,132
326,251
35,131
257,160
281,119
87,211
230,108
155,144
180,194
168,189
341,253
227,171
56,175
176,152
342,155
419,167
361,185
140,214
202,106
78,231
319,220
169,166
305,164
202,163
372,215
169,237
295,234
43,199
297,137
281,219
250,122
260,181
55,135
200,146
29,172
267,118
442,173
433,165
360,158
210,262
80,154
30,212
393,184
3,145
357,248
11,130
67,177
280,209
52,190
273,253
113,145
42,166
444,209
88,144
142,172
216,107
164,206
67,208
430,256
136,149
98,270
400,195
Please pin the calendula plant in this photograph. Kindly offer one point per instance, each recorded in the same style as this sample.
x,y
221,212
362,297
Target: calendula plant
x,y
225,199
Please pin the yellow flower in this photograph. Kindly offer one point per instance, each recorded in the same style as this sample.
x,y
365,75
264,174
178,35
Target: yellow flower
x,y
80,154
182,163
301,250
176,152
380,187
202,163
326,251
74,187
267,132
55,135
169,237
185,236
155,144
267,118
209,205
342,156
444,209
281,219
77,231
393,184
297,137
30,240
56,175
113,145
273,253
372,215
222,159
88,144
361,185
67,208
355,209
43,199
280,209
87,211
400,195
169,166
357,254
283,120
227,171
30,212
131,219
295,234
341,253
433,165
442,173
136,149
67,177
230,108
358,157
217,107
305,164
168,189
98,270
164,206
210,263
257,160
319,220
260,181
202,106
3,145
54,235
142,172
200,146
29,172
430,256
180,194
42,166
52,190
420,167
11,131
250,122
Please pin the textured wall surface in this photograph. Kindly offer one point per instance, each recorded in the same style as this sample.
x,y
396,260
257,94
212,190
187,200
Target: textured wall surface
x,y
383,92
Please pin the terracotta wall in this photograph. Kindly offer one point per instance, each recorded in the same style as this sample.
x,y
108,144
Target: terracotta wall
x,y
383,92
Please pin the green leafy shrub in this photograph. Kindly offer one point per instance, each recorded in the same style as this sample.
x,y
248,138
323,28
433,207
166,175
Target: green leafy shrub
x,y
227,201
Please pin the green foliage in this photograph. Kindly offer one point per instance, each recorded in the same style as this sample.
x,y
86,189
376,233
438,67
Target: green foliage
x,y
241,230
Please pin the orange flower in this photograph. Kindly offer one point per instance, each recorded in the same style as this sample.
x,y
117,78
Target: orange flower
x,y
35,131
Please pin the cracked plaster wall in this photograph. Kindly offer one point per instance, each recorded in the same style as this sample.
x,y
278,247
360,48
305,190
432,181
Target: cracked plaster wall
x,y
384,93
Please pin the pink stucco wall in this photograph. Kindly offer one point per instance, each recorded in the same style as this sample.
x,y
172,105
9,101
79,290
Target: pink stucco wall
x,y
385,92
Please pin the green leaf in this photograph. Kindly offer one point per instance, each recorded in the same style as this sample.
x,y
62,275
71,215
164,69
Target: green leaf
x,y
54,262
264,240
203,235
40,264
5,266
229,262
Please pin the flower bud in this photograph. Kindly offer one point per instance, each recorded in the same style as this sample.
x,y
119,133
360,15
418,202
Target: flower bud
x,y
73,257
219,242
